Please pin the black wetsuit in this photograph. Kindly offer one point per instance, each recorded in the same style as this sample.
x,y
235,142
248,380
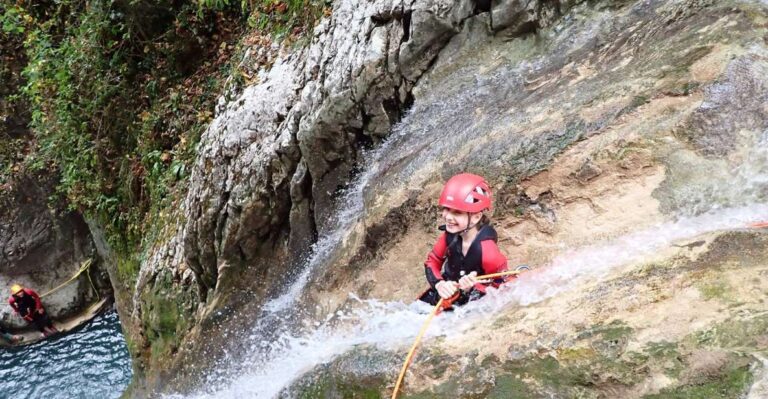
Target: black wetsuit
x,y
27,307
446,261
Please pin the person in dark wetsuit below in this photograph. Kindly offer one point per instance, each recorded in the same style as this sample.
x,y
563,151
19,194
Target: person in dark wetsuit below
x,y
10,338
26,303
467,248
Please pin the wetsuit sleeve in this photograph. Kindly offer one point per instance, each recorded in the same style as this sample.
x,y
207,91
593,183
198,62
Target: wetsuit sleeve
x,y
435,259
33,294
493,262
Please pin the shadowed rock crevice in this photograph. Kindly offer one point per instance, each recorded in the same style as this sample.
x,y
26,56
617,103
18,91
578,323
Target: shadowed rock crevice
x,y
43,245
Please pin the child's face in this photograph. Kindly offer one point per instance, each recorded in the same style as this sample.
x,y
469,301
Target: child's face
x,y
457,221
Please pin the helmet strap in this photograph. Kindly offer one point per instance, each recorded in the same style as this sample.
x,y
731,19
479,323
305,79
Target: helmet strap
x,y
469,220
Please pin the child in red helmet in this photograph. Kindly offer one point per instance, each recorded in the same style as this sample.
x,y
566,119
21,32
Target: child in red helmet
x,y
467,248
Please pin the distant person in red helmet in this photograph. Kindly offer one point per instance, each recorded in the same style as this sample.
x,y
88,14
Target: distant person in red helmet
x,y
26,303
467,248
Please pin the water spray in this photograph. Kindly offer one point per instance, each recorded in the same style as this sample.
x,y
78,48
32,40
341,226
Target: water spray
x,y
438,307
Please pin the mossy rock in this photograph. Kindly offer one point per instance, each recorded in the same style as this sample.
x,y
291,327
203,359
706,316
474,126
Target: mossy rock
x,y
735,333
363,373
730,381
608,340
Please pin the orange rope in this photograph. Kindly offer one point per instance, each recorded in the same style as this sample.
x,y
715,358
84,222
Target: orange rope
x,y
435,310
414,346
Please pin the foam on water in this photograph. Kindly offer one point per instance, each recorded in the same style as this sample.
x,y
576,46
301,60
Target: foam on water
x,y
285,344
92,362
393,325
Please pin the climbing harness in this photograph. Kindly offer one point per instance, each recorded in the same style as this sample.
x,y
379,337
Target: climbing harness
x,y
83,267
448,303
441,304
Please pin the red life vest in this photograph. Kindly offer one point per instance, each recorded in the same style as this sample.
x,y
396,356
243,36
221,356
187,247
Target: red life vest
x,y
27,305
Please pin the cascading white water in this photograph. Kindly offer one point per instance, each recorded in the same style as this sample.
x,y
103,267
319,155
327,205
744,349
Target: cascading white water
x,y
274,364
284,345
272,322
759,388
393,325
281,351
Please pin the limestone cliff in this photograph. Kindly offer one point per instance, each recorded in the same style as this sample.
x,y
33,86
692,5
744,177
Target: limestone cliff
x,y
591,119
42,243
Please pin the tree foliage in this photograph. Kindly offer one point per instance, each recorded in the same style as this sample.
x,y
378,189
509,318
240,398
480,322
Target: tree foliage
x,y
116,94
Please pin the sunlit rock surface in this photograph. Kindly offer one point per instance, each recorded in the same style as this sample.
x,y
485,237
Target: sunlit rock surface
x,y
593,121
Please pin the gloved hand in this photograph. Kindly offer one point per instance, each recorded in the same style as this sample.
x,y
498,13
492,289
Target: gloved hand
x,y
466,283
446,289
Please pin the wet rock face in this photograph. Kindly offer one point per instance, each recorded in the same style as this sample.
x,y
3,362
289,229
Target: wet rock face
x,y
33,239
41,248
274,159
365,372
734,107
272,162
641,352
497,88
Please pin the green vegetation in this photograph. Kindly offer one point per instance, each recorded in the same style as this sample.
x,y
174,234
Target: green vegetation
x,y
341,378
736,333
165,316
510,387
715,290
116,95
283,18
668,356
613,331
732,383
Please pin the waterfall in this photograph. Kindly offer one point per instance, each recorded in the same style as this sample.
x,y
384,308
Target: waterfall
x,y
280,354
274,364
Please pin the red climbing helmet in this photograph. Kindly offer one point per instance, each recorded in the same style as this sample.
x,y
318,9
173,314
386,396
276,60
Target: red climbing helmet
x,y
467,193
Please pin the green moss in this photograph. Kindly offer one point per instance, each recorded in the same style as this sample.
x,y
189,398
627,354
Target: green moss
x,y
638,101
549,372
128,269
162,346
164,316
510,387
733,383
667,355
612,331
661,349
583,372
342,378
576,354
734,333
330,386
715,290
